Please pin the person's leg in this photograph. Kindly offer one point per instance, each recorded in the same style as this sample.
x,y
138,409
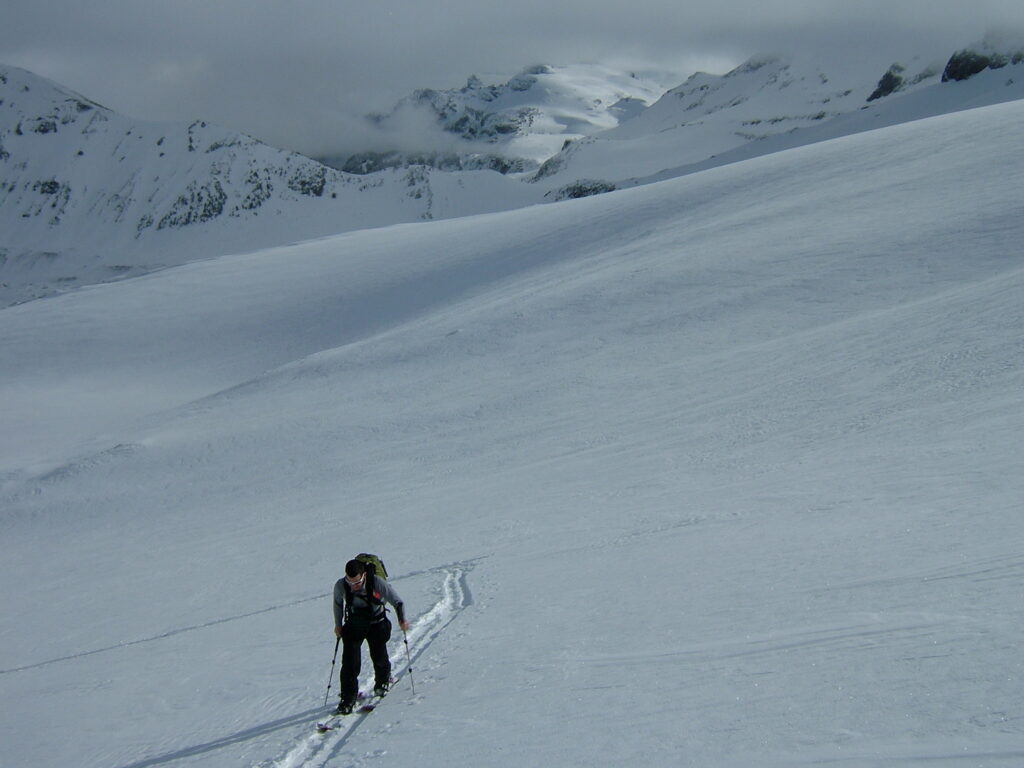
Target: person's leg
x,y
377,639
351,662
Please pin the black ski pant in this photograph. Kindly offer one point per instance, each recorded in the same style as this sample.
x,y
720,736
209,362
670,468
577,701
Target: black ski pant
x,y
352,636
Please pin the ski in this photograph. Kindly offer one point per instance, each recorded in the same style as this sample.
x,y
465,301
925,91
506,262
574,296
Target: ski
x,y
371,700
369,703
327,725
334,719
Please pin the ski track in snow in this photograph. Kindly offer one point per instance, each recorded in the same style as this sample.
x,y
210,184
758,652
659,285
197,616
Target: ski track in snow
x,y
163,635
867,634
316,749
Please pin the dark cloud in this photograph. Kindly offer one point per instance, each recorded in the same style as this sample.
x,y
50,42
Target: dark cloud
x,y
299,74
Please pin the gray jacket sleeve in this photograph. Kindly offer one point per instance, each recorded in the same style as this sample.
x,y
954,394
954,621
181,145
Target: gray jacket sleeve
x,y
388,593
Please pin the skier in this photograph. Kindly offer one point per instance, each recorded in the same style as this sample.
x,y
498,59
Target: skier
x,y
359,614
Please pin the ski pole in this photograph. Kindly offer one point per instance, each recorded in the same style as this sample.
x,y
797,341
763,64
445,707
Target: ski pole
x,y
331,678
408,656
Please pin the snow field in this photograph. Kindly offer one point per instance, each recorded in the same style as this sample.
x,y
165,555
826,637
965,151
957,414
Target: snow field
x,y
734,458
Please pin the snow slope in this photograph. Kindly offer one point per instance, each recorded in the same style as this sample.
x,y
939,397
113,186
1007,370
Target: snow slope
x,y
720,471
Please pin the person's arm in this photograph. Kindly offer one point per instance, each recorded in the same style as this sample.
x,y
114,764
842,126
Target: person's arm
x,y
388,593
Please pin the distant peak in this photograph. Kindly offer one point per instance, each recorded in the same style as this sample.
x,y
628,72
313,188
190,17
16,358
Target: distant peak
x,y
758,61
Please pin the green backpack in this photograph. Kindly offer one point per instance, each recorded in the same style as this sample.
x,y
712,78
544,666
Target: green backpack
x,y
374,570
373,564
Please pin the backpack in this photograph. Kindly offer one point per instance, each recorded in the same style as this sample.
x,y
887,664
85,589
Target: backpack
x,y
373,564
374,570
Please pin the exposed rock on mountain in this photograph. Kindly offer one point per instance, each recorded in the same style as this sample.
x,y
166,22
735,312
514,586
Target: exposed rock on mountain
x,y
967,63
894,80
995,51
371,162
583,188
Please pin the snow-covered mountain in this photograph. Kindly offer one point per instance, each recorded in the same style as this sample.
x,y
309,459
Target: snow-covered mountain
x,y
87,195
771,103
594,130
511,127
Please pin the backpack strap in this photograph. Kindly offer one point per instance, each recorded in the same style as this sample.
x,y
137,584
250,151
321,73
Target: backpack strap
x,y
348,599
372,597
371,574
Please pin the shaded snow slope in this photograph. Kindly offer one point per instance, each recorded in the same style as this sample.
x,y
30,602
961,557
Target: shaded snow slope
x,y
739,449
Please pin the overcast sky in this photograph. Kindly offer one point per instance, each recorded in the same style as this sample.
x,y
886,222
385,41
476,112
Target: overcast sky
x,y
296,72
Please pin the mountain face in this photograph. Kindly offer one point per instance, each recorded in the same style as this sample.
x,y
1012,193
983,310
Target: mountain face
x,y
164,176
996,51
79,179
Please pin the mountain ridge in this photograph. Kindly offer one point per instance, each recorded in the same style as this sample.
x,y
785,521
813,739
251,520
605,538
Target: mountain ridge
x,y
88,196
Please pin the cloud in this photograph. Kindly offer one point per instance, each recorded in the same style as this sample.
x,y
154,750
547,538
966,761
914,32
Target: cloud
x,y
301,74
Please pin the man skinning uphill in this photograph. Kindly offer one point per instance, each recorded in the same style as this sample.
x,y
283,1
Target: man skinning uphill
x,y
359,614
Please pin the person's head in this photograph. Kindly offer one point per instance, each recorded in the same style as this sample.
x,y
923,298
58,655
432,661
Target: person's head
x,y
355,574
